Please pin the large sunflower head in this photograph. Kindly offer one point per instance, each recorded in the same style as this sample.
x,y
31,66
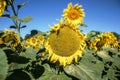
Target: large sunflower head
x,y
2,6
74,14
65,45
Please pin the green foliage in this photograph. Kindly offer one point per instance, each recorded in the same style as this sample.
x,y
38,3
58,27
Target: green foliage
x,y
110,57
14,18
102,65
3,65
13,26
84,25
51,74
21,5
24,26
89,68
19,75
26,19
30,54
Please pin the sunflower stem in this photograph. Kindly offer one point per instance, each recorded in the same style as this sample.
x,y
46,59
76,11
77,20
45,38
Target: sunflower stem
x,y
58,69
16,22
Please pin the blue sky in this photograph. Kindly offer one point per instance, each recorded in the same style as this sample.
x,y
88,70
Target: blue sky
x,y
101,15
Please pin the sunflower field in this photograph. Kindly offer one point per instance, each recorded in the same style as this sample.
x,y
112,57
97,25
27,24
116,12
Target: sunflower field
x,y
63,53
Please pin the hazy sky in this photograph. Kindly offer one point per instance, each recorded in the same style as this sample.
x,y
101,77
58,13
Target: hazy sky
x,y
101,15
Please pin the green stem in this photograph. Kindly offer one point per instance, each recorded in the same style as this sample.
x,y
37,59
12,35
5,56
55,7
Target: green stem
x,y
11,4
18,29
16,22
58,71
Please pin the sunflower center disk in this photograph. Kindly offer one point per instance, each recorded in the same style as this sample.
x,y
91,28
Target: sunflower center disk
x,y
73,14
65,42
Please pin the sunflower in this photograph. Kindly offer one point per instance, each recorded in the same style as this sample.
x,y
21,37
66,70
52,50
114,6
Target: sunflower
x,y
103,40
65,45
2,6
7,39
74,14
7,31
33,41
10,39
40,39
1,41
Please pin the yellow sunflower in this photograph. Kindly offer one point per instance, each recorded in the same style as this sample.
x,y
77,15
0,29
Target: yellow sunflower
x,y
7,31
7,39
103,40
40,39
25,43
2,6
33,41
11,38
74,14
65,45
1,41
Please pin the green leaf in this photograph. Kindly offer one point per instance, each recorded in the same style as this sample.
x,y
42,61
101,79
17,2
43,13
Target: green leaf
x,y
6,15
50,74
47,74
21,5
37,71
111,49
89,68
19,75
21,19
3,65
14,18
23,26
74,71
63,76
30,53
14,66
11,1
13,27
85,25
116,61
83,72
111,74
104,55
112,68
26,19
9,43
1,33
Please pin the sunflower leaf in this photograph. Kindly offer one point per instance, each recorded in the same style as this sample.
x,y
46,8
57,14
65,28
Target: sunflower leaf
x,y
3,65
21,5
6,15
24,26
30,54
20,75
14,27
84,25
47,74
116,61
89,68
104,55
50,74
26,19
14,18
